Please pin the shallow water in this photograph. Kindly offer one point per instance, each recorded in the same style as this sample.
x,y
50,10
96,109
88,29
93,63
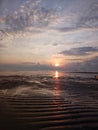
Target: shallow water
x,y
48,101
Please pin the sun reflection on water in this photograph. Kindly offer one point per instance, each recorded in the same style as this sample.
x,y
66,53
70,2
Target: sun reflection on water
x,y
56,74
56,84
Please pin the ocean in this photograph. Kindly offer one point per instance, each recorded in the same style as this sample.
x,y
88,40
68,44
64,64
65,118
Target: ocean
x,y
48,100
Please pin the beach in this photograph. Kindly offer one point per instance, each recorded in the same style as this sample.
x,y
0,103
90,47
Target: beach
x,y
46,102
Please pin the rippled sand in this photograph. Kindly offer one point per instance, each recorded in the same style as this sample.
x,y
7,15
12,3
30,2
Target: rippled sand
x,y
46,103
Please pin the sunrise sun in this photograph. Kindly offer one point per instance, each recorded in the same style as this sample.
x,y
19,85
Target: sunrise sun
x,y
56,64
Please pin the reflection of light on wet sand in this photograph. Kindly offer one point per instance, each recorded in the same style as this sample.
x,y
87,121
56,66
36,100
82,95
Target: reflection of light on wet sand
x,y
56,90
56,74
56,84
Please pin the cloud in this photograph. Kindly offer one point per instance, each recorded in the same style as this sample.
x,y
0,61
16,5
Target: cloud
x,y
55,44
67,29
75,59
86,19
90,65
25,66
35,14
90,17
29,15
35,23
34,17
29,18
81,51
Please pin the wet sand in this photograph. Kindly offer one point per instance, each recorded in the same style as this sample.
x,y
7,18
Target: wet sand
x,y
46,103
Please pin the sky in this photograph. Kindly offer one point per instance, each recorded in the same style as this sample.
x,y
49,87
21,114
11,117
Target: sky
x,y
37,34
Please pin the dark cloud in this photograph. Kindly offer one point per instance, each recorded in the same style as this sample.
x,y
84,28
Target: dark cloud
x,y
1,1
55,44
92,63
86,66
75,59
37,13
67,29
2,33
23,17
25,66
81,51
90,16
87,19
2,45
28,15
29,63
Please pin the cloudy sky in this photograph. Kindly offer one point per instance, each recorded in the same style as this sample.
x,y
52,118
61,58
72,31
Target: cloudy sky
x,y
37,34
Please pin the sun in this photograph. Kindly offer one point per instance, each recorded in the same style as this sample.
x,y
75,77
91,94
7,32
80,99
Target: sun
x,y
56,64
